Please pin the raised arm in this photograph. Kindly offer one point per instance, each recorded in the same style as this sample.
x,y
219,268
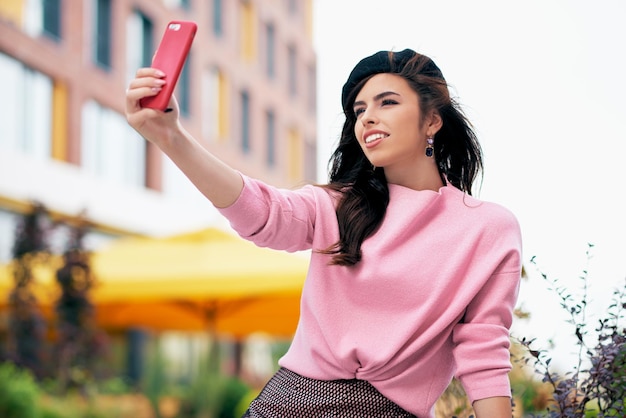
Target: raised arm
x,y
217,181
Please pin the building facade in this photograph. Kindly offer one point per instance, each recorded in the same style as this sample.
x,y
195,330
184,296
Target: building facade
x,y
247,93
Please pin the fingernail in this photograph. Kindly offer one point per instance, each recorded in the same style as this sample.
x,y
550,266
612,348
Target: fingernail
x,y
160,73
156,89
159,82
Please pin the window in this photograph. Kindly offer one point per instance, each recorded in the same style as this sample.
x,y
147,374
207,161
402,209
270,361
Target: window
x,y
247,31
52,18
12,13
270,50
211,105
270,121
214,105
245,122
110,148
140,43
43,17
60,121
292,71
26,97
102,33
218,29
183,90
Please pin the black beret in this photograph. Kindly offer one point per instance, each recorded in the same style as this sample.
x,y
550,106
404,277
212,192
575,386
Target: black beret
x,y
383,62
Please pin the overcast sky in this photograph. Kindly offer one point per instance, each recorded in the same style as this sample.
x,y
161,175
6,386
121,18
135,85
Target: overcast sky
x,y
543,83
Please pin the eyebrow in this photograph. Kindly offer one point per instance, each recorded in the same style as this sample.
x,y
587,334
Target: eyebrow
x,y
378,97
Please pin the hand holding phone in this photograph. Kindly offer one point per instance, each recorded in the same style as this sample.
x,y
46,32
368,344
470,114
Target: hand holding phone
x,y
170,58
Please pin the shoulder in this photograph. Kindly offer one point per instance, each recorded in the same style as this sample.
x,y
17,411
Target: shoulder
x,y
478,209
495,224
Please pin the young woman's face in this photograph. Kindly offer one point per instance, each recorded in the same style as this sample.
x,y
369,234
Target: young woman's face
x,y
389,124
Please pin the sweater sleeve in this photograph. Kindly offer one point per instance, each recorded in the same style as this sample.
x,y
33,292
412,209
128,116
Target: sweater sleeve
x,y
276,218
482,340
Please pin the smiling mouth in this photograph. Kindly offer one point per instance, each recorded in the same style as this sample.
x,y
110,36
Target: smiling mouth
x,y
375,137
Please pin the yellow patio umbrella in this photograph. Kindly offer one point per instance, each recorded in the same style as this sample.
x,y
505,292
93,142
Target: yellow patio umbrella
x,y
234,286
198,266
205,279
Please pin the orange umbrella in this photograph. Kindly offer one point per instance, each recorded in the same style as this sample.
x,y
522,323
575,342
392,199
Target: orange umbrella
x,y
205,279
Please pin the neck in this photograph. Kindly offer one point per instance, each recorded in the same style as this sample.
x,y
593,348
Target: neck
x,y
423,177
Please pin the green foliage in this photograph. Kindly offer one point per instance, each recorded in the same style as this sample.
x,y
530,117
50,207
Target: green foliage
x,y
212,394
18,393
113,386
244,402
202,395
155,383
58,409
77,406
232,390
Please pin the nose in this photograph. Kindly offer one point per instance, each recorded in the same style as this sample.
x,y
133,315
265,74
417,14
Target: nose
x,y
368,117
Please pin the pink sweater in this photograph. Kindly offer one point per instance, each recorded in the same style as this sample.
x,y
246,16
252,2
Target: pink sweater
x,y
432,297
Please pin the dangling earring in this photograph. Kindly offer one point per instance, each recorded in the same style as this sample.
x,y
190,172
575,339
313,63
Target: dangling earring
x,y
430,151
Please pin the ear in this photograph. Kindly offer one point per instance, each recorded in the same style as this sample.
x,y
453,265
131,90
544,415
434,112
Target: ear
x,y
433,123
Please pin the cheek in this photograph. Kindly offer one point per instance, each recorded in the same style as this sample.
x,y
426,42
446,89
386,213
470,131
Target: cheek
x,y
358,130
413,126
358,133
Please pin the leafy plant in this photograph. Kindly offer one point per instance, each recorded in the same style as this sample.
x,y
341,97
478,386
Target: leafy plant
x,y
596,386
26,326
80,342
155,382
18,392
232,391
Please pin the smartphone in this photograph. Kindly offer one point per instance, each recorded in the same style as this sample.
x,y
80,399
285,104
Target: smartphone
x,y
170,57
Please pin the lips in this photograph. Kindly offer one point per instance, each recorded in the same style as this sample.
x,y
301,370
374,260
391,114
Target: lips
x,y
375,137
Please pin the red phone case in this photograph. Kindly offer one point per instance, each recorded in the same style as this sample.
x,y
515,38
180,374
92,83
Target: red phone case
x,y
170,58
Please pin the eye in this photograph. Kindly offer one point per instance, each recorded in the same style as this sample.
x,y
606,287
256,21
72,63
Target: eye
x,y
388,102
358,111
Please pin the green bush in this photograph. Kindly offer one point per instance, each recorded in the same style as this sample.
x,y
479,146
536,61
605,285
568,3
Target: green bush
x,y
18,393
114,386
245,401
232,390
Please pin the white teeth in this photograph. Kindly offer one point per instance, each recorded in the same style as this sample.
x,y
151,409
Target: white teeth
x,y
374,137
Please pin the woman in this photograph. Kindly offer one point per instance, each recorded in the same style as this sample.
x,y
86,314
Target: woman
x,y
412,281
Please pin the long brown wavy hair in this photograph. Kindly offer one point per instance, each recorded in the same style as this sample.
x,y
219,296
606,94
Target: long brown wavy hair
x,y
364,193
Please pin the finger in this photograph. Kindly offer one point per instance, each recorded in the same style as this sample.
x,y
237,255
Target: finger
x,y
146,82
134,96
149,72
140,88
